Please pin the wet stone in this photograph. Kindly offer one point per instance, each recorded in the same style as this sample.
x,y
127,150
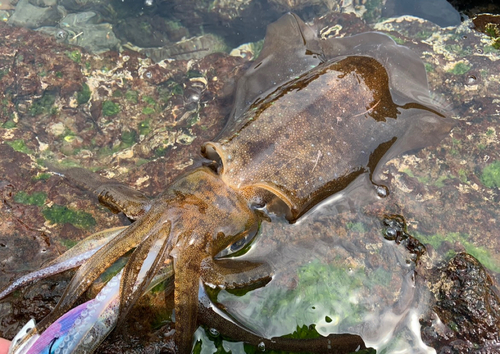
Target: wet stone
x,y
468,304
31,16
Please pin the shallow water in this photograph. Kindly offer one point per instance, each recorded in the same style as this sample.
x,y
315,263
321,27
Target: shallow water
x,y
334,269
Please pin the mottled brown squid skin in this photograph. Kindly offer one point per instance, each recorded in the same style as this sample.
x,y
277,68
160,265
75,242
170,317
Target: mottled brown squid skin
x,y
211,217
316,134
195,218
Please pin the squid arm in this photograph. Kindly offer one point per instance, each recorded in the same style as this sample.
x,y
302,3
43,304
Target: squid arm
x,y
99,262
212,317
87,325
116,196
72,258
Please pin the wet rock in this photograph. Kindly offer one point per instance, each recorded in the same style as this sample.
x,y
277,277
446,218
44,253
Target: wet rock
x,y
192,48
439,12
230,9
85,30
89,33
36,304
295,5
43,3
468,307
7,6
31,16
79,5
472,8
439,190
150,31
490,25
236,21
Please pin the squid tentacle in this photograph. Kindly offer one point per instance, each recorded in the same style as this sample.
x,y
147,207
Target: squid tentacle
x,y
212,317
72,258
141,268
99,262
186,269
233,274
117,197
94,241
83,328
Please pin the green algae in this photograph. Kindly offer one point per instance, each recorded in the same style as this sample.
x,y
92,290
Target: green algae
x,y
334,285
371,6
356,226
144,127
148,110
67,163
132,96
460,69
193,74
398,40
105,151
439,182
493,31
83,96
161,151
149,100
36,198
462,176
483,255
19,146
75,55
408,172
68,243
177,89
490,176
192,120
43,105
128,138
10,124
58,214
429,67
42,176
117,94
152,105
3,73
109,108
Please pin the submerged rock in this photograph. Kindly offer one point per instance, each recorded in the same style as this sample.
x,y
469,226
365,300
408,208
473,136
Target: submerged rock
x,y
31,16
85,30
150,31
192,48
468,308
440,12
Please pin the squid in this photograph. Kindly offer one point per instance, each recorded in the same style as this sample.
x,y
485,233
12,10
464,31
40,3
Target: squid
x,y
310,117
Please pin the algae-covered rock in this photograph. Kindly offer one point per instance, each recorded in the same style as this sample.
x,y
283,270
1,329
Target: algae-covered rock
x,y
467,304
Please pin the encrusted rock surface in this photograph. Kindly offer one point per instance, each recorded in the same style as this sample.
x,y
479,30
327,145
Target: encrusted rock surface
x,y
142,123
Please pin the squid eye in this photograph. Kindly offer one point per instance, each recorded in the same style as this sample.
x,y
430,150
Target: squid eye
x,y
238,245
237,248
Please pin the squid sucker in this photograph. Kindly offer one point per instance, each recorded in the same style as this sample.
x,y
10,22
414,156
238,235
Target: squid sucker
x,y
310,117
